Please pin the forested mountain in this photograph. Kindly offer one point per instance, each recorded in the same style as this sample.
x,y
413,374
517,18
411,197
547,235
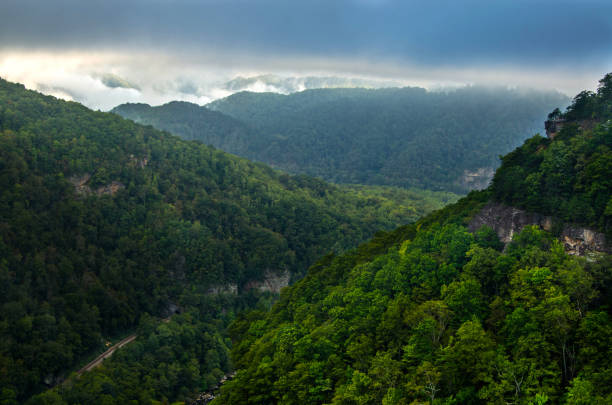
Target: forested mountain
x,y
432,313
406,137
106,224
285,85
569,177
192,122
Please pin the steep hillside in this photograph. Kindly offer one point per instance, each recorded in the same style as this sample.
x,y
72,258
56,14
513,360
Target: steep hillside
x,y
401,137
192,122
434,313
105,223
569,174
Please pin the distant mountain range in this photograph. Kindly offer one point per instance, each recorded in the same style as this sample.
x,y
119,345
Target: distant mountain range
x,y
286,85
106,226
406,137
105,223
444,312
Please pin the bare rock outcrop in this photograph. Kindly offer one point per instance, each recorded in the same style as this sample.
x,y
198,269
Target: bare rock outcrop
x,y
81,186
476,179
80,183
272,282
139,162
207,396
582,241
110,189
507,221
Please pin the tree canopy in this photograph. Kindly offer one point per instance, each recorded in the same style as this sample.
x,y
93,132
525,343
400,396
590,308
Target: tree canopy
x,y
406,137
431,313
103,221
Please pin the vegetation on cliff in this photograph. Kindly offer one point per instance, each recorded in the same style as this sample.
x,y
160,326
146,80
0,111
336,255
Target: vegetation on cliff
x,y
570,176
103,221
406,137
433,313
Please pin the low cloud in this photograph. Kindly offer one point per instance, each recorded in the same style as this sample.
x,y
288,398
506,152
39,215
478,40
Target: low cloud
x,y
157,78
113,81
103,53
285,85
437,32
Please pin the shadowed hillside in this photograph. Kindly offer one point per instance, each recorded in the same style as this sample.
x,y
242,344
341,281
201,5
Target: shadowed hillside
x,y
404,137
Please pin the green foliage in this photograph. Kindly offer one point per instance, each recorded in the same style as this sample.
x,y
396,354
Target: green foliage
x,y
397,204
191,122
404,137
437,317
104,223
103,220
567,177
592,105
169,361
432,313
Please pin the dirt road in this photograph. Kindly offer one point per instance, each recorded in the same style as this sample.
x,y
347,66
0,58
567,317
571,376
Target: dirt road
x,y
109,352
98,360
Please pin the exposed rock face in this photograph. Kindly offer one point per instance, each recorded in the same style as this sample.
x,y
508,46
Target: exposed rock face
x,y
272,282
476,180
80,183
207,396
553,127
110,189
82,188
582,241
507,221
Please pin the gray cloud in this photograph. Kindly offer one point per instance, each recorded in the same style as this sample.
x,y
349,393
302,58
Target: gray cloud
x,y
103,53
157,78
113,81
279,84
447,32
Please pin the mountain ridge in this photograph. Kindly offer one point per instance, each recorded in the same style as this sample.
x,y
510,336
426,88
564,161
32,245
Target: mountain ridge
x,y
104,223
404,137
436,312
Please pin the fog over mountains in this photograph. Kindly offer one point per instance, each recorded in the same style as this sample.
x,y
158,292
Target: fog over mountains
x,y
406,137
305,202
104,53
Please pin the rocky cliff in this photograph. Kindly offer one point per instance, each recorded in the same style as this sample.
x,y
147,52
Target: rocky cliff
x,y
81,186
272,282
507,221
478,179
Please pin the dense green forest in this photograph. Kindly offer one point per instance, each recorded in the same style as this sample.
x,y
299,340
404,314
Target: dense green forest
x,y
405,137
169,361
570,176
105,224
192,122
431,313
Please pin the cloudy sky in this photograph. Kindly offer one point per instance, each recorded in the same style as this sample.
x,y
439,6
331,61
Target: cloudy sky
x,y
103,53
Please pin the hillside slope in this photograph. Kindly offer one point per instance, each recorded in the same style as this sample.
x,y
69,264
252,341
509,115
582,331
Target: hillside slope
x,y
433,313
105,223
404,137
192,122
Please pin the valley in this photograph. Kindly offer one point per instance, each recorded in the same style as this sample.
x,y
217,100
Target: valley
x,y
403,137
105,222
502,297
276,202
151,222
